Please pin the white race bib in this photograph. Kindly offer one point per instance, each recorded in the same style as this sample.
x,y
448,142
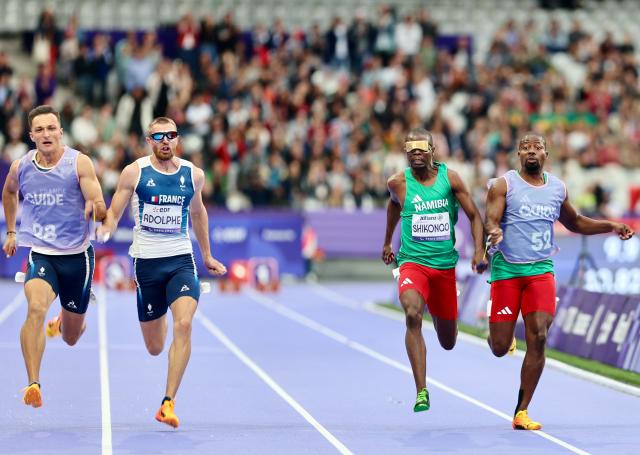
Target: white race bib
x,y
166,219
431,227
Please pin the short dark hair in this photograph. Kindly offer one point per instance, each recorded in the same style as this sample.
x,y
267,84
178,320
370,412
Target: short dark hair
x,y
41,110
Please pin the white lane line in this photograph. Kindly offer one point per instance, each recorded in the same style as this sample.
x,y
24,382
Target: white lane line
x,y
15,303
105,394
271,304
216,332
341,300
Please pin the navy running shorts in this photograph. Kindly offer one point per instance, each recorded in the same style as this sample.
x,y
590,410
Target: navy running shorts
x,y
69,275
160,281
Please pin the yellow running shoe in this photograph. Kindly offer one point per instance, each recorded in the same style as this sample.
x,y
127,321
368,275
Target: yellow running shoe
x,y
53,327
32,395
166,415
513,347
521,421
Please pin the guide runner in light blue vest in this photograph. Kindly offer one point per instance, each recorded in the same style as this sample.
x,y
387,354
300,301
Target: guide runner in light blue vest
x,y
522,207
60,193
164,190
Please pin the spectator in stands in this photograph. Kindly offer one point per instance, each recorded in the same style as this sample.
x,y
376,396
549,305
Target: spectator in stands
x,y
45,39
274,77
188,40
14,148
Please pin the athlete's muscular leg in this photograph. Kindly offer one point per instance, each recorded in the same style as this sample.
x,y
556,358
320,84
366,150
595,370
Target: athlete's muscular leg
x,y
444,306
183,310
413,306
501,336
447,331
504,293
154,333
72,326
39,295
537,326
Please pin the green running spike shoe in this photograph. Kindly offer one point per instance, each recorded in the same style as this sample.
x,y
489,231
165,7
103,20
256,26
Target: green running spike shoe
x,y
422,401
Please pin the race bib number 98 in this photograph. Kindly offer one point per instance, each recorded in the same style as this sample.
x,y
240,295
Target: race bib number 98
x,y
431,227
166,219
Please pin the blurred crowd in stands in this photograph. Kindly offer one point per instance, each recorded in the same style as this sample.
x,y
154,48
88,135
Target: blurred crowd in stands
x,y
316,118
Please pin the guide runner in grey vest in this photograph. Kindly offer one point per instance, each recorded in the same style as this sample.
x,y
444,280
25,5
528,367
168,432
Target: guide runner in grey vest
x,y
61,193
522,207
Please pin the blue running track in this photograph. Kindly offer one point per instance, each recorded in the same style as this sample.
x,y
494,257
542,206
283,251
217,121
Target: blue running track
x,y
314,369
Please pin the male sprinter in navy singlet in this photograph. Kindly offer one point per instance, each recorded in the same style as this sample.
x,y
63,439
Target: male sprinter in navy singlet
x,y
60,192
164,190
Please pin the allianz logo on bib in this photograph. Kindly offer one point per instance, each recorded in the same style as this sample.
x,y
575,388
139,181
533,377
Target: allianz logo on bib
x,y
420,205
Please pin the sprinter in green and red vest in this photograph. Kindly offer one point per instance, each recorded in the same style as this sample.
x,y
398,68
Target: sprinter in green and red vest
x,y
522,207
426,195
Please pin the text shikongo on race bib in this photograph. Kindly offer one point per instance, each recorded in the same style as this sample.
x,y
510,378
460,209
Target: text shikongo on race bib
x,y
161,218
431,227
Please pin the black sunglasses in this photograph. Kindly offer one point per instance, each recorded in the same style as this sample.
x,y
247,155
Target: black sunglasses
x,y
160,135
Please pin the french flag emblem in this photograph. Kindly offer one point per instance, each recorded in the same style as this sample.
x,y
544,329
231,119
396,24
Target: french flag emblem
x,y
154,199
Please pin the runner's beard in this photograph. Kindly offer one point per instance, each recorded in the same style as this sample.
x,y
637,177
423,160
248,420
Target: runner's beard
x,y
532,168
160,155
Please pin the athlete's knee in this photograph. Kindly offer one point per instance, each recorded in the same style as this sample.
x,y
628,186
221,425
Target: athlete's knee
x,y
37,313
154,347
413,318
448,345
499,347
70,338
182,326
540,339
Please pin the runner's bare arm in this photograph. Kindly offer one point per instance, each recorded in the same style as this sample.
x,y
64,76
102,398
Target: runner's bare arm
x,y
90,187
463,196
581,224
397,188
200,222
120,200
10,205
496,203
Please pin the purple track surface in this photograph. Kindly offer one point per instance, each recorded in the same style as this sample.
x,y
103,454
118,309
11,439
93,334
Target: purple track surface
x,y
310,370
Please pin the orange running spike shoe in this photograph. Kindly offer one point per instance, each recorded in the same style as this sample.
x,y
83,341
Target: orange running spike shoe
x,y
521,421
166,415
53,327
32,395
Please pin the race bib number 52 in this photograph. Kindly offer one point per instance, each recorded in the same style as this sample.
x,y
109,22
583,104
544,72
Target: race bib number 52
x,y
166,219
431,227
